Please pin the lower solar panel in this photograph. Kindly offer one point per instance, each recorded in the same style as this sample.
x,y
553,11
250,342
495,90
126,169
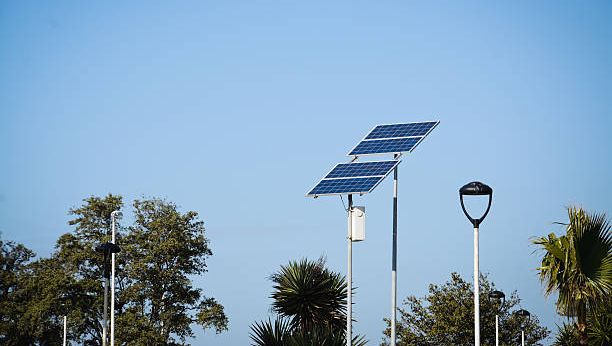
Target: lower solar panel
x,y
345,186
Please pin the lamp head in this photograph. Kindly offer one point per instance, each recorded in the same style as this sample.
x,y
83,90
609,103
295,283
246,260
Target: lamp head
x,y
498,296
524,315
117,213
475,188
107,248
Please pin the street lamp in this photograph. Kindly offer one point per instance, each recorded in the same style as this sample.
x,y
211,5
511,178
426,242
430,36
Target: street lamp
x,y
114,215
500,298
107,249
64,311
476,188
524,317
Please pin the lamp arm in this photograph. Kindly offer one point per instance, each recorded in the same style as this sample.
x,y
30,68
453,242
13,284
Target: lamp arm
x,y
488,208
465,211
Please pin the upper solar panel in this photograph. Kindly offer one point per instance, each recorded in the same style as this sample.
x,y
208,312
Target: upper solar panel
x,y
353,178
393,139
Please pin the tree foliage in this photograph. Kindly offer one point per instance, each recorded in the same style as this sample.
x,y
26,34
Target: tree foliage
x,y
156,303
578,266
310,301
445,316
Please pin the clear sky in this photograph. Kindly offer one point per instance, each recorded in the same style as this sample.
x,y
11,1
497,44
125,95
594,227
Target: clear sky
x,y
234,109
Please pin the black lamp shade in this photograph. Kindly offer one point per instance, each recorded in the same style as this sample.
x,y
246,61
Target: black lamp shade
x,y
497,295
475,188
108,247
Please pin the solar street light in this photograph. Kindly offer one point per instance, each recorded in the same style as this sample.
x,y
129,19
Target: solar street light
x,y
114,215
524,317
106,249
359,178
499,298
476,188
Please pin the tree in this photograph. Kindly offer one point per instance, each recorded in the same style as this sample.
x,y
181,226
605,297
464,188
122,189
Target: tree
x,y
310,301
14,259
445,316
578,266
162,249
156,301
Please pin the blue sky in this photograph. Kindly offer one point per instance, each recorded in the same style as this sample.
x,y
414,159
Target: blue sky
x,y
234,109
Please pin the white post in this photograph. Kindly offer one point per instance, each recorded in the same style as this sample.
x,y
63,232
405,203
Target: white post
x,y
349,293
105,309
394,261
496,330
64,330
476,292
112,322
523,337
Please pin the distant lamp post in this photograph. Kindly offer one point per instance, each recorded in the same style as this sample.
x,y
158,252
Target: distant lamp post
x,y
498,298
107,249
524,317
114,215
476,188
63,298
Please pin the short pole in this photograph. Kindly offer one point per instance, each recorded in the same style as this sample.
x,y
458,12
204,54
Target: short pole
x,y
105,309
496,330
64,330
523,337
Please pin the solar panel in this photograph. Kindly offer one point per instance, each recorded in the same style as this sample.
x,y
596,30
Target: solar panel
x,y
353,178
393,139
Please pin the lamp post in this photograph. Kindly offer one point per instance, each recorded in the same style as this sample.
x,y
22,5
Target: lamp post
x,y
524,317
500,298
114,215
107,249
476,188
63,298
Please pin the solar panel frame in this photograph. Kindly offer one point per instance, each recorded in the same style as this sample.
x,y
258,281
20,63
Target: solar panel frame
x,y
360,192
365,139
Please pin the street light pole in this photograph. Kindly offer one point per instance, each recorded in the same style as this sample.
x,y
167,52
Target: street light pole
x,y
107,249
349,292
114,215
500,298
394,258
476,188
524,316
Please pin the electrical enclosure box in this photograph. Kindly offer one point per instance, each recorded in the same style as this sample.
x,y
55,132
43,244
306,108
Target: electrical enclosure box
x,y
358,223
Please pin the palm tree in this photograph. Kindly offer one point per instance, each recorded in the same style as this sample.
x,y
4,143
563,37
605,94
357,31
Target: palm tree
x,y
578,266
310,303
310,295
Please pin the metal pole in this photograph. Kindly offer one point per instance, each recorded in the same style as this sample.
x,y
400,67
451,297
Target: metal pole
x,y
496,330
105,309
112,319
64,330
476,292
394,260
349,293
523,337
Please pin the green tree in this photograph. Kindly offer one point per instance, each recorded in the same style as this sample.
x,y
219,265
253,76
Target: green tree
x,y
14,259
445,316
578,266
162,250
156,301
310,301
